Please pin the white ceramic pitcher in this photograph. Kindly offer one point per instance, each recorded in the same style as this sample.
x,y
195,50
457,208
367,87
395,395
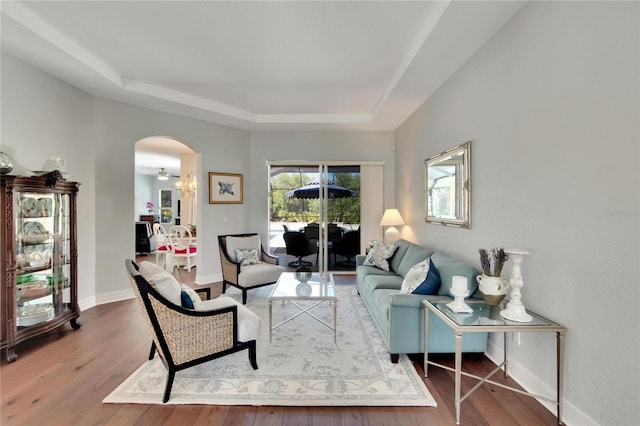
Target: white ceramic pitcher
x,y
493,289
54,163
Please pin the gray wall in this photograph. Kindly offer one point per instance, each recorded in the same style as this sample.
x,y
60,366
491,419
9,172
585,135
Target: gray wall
x,y
117,128
41,117
551,107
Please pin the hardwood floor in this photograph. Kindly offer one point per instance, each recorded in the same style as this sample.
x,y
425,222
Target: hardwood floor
x,y
61,379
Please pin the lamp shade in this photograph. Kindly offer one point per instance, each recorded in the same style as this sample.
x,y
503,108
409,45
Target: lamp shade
x,y
391,217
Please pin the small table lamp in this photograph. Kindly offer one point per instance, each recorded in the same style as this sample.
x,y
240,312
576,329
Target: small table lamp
x,y
391,218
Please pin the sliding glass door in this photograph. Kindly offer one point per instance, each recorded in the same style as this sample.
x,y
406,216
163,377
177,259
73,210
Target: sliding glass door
x,y
322,202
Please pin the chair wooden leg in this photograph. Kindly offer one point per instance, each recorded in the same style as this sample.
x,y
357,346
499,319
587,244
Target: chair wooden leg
x,y
153,350
167,390
252,355
244,296
224,287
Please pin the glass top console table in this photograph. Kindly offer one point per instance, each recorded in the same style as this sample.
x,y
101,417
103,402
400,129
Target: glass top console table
x,y
486,318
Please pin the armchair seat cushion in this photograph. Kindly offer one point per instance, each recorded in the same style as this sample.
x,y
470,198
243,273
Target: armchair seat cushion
x,y
252,275
248,322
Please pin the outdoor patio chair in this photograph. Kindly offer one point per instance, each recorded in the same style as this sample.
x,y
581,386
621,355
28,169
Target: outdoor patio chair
x,y
298,246
348,246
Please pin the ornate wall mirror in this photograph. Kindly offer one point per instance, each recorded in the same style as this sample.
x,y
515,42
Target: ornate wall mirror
x,y
448,187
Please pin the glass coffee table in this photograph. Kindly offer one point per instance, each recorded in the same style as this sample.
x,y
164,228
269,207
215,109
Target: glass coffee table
x,y
486,318
317,288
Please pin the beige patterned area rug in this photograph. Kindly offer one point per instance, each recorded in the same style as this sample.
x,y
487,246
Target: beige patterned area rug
x,y
301,367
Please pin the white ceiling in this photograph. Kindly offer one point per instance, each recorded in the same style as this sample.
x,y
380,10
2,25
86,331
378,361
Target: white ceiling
x,y
257,65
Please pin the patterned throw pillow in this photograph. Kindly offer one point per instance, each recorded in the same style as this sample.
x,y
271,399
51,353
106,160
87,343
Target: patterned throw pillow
x,y
247,256
379,254
422,278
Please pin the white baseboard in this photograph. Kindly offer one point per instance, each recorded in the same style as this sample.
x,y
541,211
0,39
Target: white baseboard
x,y
115,296
206,279
571,415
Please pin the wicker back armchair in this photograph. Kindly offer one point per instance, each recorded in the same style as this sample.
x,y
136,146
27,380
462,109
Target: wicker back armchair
x,y
185,337
248,276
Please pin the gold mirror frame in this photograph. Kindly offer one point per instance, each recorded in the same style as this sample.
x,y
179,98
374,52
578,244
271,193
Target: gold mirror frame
x,y
448,187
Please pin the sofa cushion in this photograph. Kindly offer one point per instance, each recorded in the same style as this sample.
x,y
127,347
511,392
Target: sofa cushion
x,y
422,278
375,282
261,273
365,270
378,256
242,243
448,267
162,281
414,255
397,257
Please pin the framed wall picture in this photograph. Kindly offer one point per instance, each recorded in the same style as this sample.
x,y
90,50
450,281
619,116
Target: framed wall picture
x,y
166,215
165,198
225,188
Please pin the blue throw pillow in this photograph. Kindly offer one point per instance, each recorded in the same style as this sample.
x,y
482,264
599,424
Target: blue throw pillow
x,y
422,278
185,300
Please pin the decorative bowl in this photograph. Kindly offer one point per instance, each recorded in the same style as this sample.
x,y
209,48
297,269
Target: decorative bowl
x,y
35,239
34,289
38,263
34,314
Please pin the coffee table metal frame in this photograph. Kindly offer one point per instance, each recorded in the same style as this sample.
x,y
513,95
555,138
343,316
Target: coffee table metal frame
x,y
481,321
321,291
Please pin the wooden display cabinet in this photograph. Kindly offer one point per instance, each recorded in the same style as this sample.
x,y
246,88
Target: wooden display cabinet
x,y
38,265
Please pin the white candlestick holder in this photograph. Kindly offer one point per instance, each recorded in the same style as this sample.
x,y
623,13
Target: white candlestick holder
x,y
515,310
459,291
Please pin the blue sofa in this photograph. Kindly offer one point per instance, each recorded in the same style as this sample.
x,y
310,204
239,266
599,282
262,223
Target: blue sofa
x,y
400,317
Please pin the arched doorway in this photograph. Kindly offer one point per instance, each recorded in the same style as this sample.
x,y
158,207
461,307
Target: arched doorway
x,y
161,164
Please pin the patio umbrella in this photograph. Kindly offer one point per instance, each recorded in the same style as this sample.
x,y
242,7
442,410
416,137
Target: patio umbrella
x,y
312,190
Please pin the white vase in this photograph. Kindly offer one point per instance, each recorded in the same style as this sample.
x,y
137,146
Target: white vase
x,y
493,289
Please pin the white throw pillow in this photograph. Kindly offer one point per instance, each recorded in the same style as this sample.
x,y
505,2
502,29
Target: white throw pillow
x,y
379,254
422,278
162,281
195,297
247,256
242,243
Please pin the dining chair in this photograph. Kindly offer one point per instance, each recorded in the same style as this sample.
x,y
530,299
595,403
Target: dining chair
x,y
162,243
182,246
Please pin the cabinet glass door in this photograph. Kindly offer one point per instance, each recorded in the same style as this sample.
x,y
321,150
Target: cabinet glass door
x,y
43,255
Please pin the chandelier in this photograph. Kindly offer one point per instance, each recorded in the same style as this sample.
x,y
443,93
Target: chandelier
x,y
188,187
163,174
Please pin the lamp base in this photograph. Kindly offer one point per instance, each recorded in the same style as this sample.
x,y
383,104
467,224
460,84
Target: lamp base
x,y
391,235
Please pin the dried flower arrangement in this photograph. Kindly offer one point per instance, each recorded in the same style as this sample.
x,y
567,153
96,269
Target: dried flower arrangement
x,y
150,206
492,262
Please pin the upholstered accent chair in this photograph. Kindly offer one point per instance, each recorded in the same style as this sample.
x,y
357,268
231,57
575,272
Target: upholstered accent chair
x,y
245,263
187,331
